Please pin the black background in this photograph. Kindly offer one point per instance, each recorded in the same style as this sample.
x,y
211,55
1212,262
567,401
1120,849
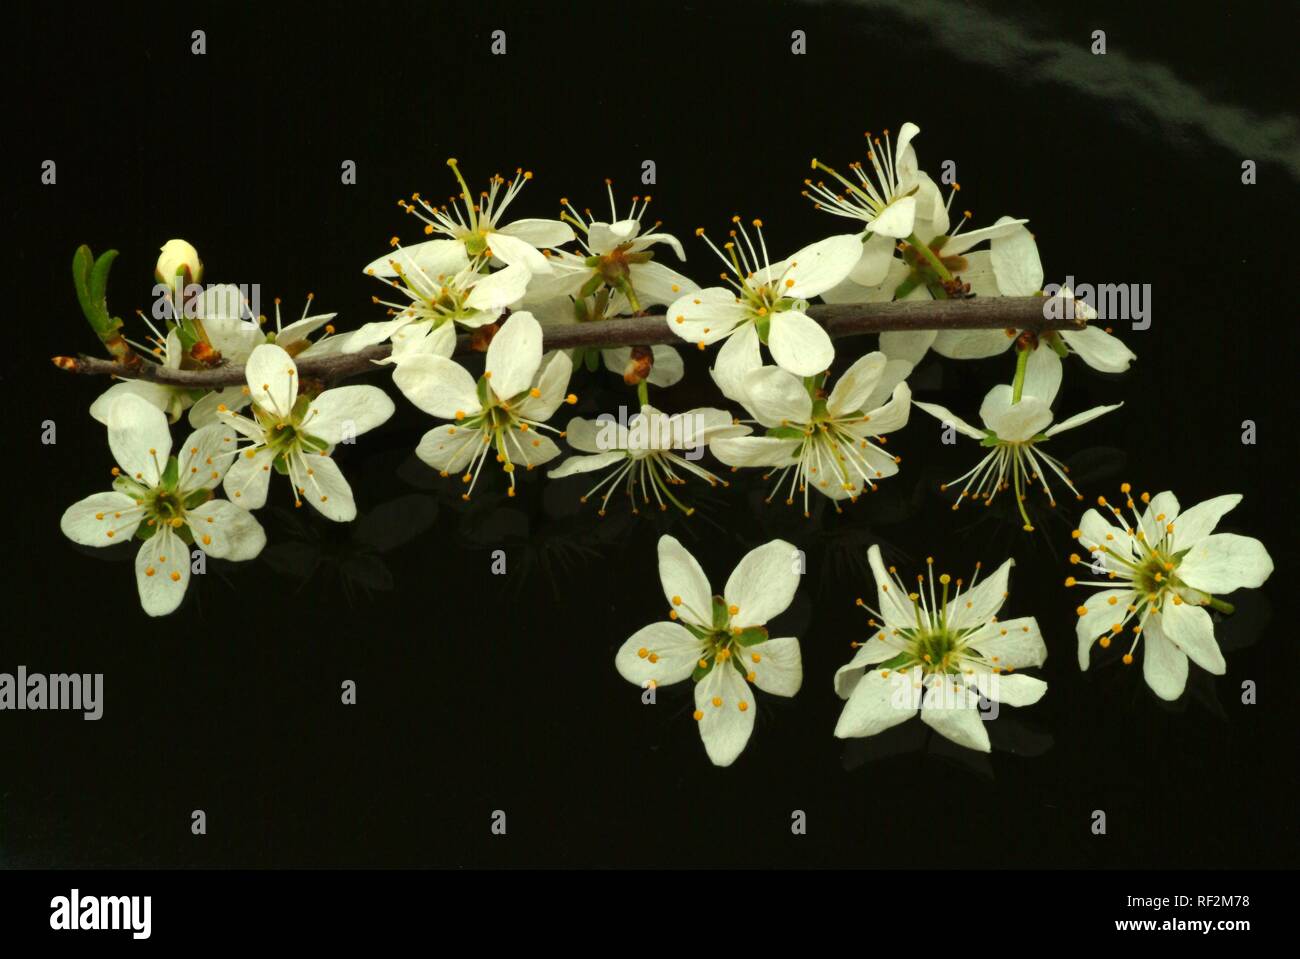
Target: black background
x,y
478,692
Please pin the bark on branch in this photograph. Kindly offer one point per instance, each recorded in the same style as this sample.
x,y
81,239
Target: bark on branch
x,y
844,319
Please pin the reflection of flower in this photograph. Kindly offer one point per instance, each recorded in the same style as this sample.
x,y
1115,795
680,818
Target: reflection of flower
x,y
720,641
938,654
349,556
1161,568
645,453
166,501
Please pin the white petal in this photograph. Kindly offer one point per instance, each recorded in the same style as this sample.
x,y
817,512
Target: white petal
x,y
817,267
162,572
1164,665
891,602
706,316
551,384
427,261
1014,422
1099,349
908,346
272,379
538,232
153,393
975,607
496,291
738,357
437,385
875,650
775,666
952,715
1014,642
204,412
1010,690
948,418
517,254
763,584
727,709
877,703
587,464
205,456
1015,261
776,397
1078,419
1101,614
855,385
89,521
225,531
139,438
449,448
372,333
1043,375
799,343
248,477
659,654
530,448
1200,521
347,411
753,450
1190,628
1223,562
325,487
873,266
971,344
682,578
655,283
897,219
514,355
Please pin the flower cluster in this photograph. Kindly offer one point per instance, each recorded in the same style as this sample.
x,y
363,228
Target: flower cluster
x,y
469,309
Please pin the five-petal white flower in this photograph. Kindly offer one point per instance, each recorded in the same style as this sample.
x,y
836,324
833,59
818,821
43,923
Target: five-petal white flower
x,y
1013,430
294,434
939,654
766,303
504,412
651,452
164,500
720,641
1157,571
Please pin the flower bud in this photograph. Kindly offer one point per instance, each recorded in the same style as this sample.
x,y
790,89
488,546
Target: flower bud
x,y
177,256
640,361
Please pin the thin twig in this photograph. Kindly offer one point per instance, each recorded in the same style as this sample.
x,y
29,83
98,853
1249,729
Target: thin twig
x,y
843,319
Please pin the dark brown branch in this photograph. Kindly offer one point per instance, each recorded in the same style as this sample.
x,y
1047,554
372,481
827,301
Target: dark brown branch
x,y
845,319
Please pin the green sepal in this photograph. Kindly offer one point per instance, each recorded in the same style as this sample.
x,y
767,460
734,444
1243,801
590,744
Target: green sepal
x,y
591,359
281,464
763,326
593,284
300,407
197,498
740,667
785,433
902,659
907,286
145,532
751,636
315,442
185,533
990,439
482,391
131,487
699,672
172,473
720,615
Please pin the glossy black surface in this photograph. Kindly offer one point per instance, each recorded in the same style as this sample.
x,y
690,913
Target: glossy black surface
x,y
478,692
